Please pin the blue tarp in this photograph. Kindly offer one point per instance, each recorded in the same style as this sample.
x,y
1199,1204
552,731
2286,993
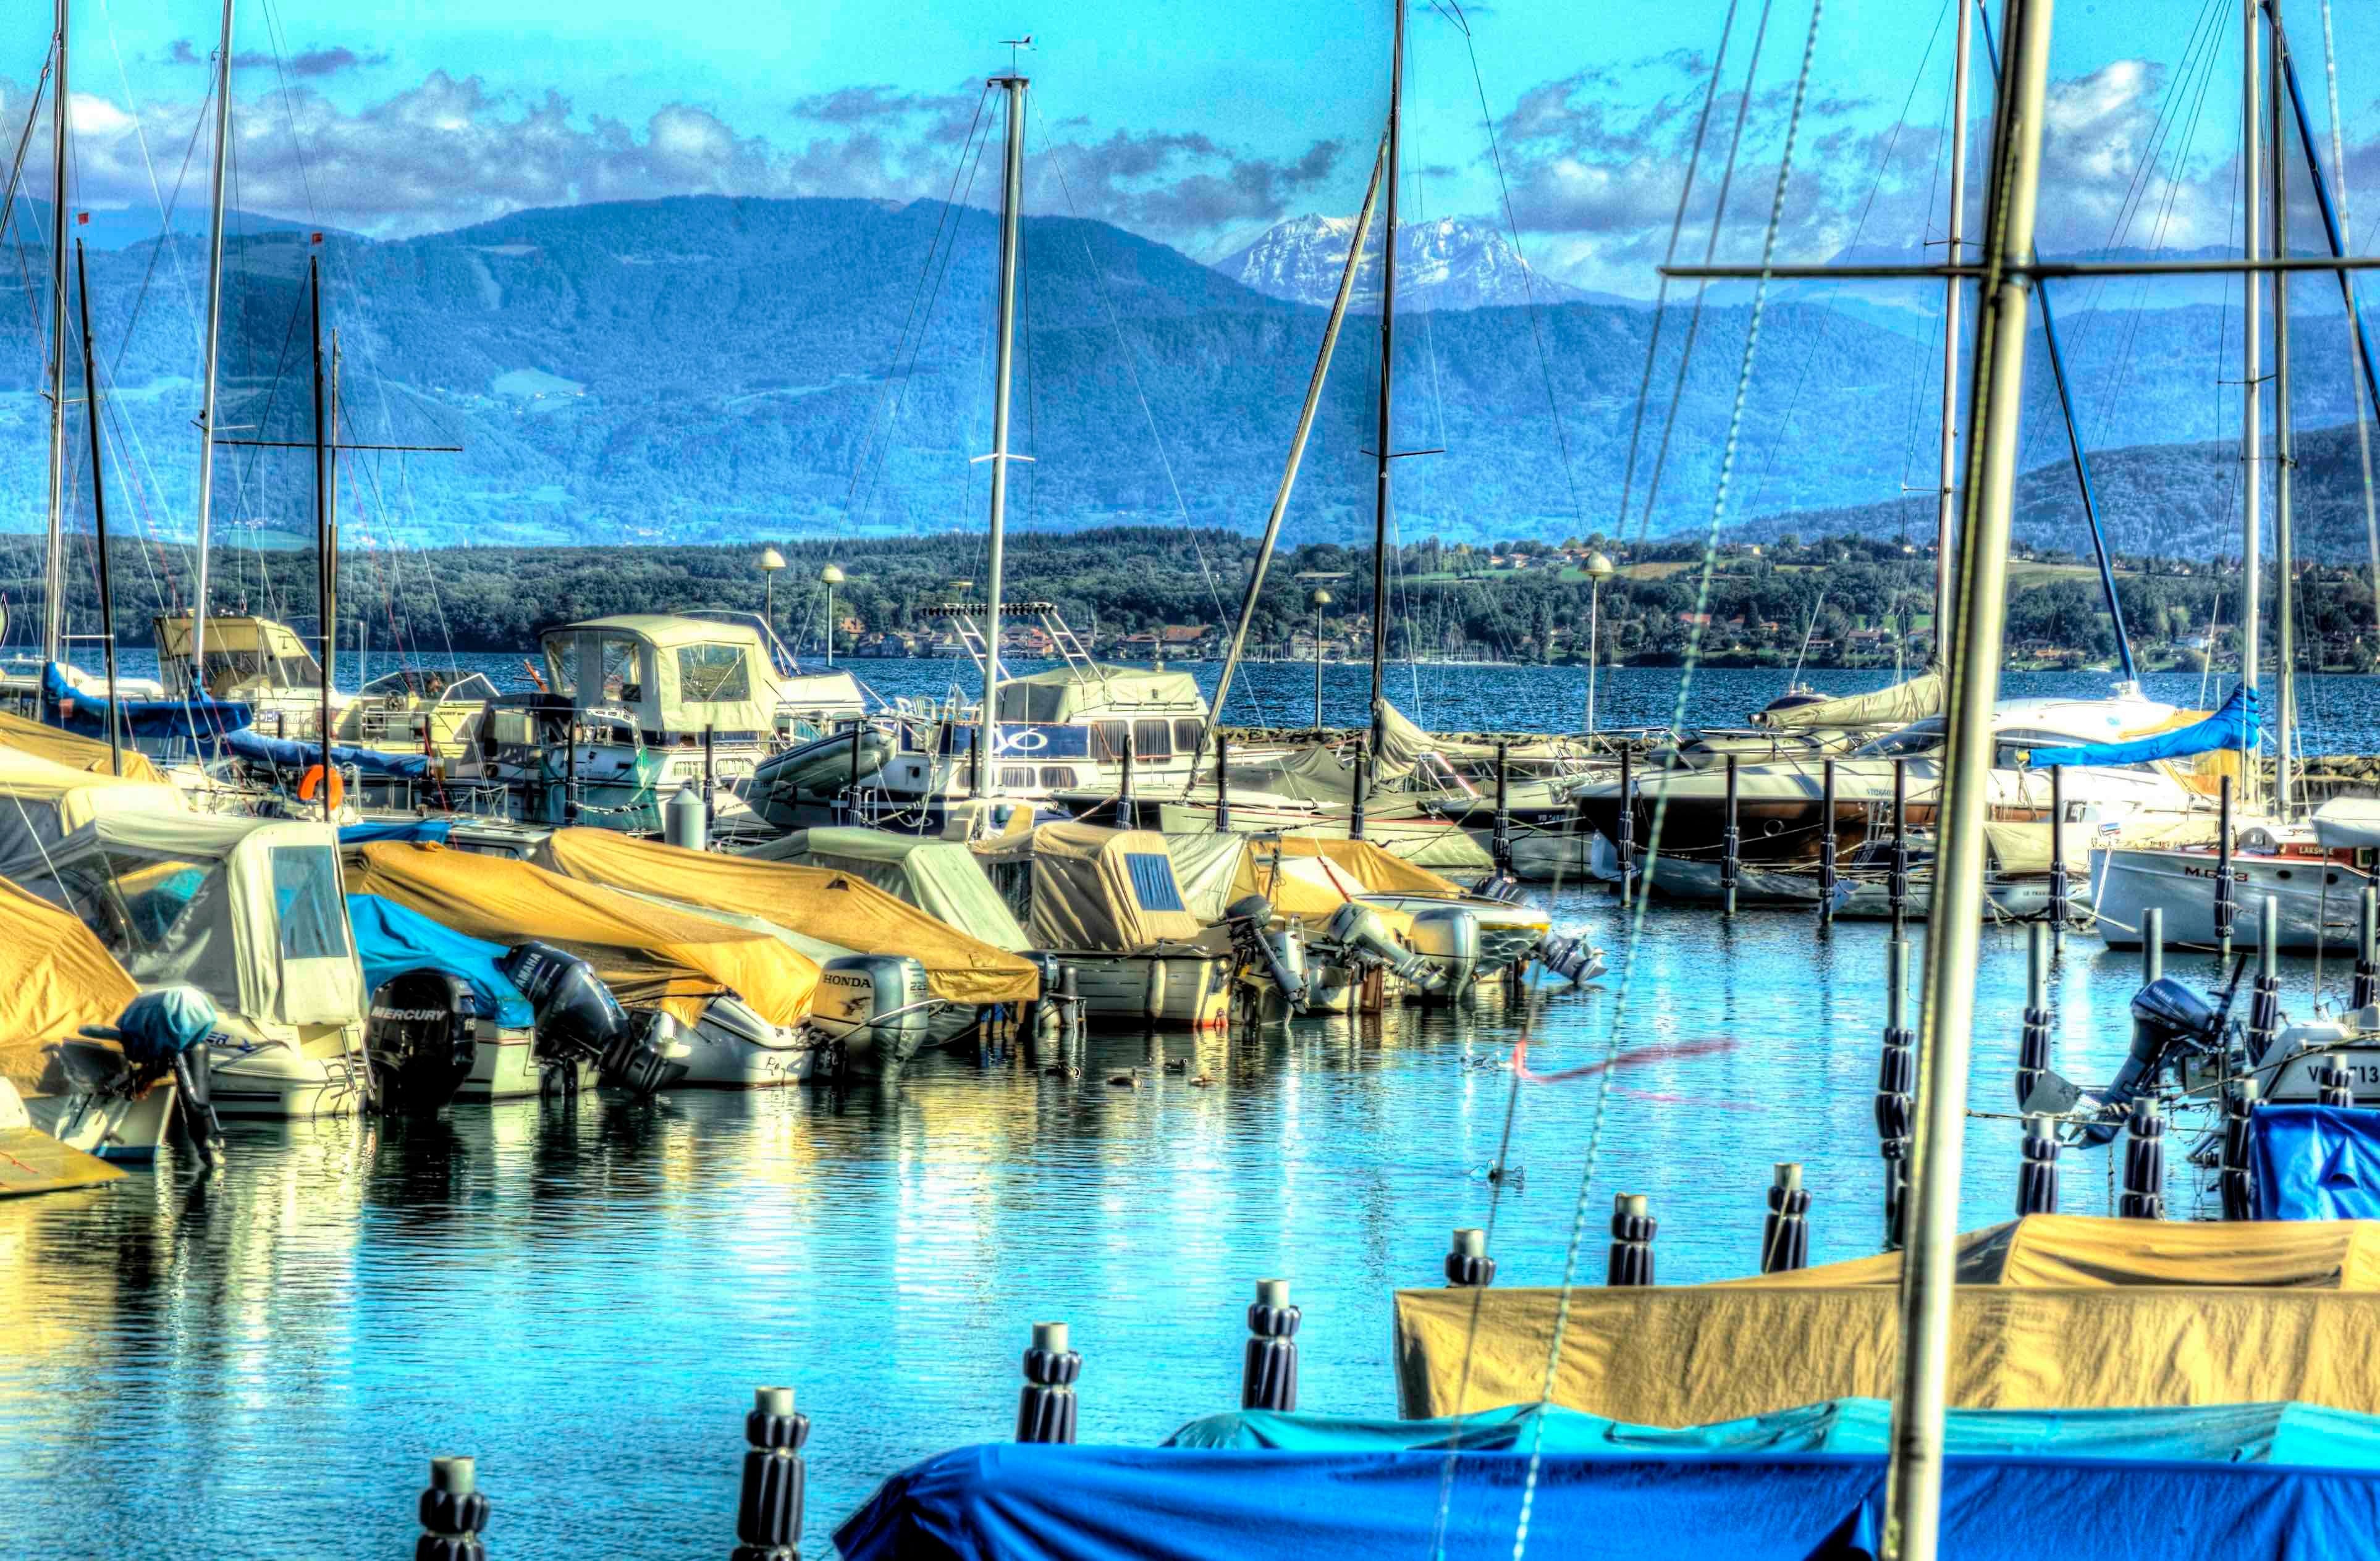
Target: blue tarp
x,y
391,940
399,831
2239,724
287,753
2292,1434
191,719
2317,1162
1107,1504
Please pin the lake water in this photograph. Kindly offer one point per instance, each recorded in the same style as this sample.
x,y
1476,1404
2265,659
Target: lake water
x,y
584,1298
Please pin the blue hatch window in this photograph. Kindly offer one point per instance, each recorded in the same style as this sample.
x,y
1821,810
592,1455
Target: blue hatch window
x,y
1152,881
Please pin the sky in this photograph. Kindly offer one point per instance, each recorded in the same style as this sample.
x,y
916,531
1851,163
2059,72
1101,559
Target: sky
x,y
1199,123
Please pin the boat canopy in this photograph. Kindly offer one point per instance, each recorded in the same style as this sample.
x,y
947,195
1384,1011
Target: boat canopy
x,y
834,907
651,956
940,877
676,675
2238,725
2054,1312
1063,693
243,652
41,802
1922,695
246,910
1215,868
59,979
391,940
1092,890
76,751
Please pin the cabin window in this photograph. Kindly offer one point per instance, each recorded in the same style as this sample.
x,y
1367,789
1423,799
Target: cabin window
x,y
133,903
615,662
1185,736
1057,777
228,669
710,674
1152,740
306,892
561,667
1108,738
1016,776
1152,881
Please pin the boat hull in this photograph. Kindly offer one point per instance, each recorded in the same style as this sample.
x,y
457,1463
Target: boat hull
x,y
111,1127
2316,901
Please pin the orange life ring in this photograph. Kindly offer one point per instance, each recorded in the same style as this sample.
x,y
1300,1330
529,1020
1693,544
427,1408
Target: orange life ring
x,y
309,786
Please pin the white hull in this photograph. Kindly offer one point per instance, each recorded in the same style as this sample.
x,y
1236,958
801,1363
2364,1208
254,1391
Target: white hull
x,y
2316,900
108,1126
279,1081
503,1069
1167,991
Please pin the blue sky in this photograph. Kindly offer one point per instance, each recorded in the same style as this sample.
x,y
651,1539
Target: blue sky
x,y
1196,122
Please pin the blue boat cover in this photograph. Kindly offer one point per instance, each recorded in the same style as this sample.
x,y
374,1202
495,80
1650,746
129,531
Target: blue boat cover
x,y
287,753
1174,1504
2239,724
196,721
400,831
2317,1162
391,940
2306,1435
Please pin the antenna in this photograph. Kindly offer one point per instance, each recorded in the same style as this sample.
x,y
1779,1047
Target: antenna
x,y
1014,46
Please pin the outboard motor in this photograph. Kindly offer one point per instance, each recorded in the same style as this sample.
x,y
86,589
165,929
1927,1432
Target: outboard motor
x,y
1357,929
167,1032
578,1019
637,1059
1503,886
1254,946
1447,937
878,1005
1574,959
421,1039
2170,1024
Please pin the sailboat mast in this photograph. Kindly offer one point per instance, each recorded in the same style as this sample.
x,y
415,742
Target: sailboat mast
x,y
99,513
1945,503
214,335
54,602
2285,693
323,560
2251,359
1012,204
1384,452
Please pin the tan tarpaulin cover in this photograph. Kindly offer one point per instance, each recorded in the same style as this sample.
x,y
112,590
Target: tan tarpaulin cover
x,y
1083,893
1377,870
816,901
1214,869
940,877
65,748
649,955
1903,703
2056,1311
54,978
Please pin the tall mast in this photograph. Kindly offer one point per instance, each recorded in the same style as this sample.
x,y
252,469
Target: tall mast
x,y
53,600
325,566
99,513
2251,349
1946,511
2284,455
1384,452
1995,408
213,333
1011,205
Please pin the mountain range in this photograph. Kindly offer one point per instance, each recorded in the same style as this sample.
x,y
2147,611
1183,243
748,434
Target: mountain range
x,y
1446,263
707,369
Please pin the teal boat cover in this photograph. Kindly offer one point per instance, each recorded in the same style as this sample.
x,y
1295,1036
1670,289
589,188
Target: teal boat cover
x,y
372,831
1198,1503
391,939
2316,1162
2239,724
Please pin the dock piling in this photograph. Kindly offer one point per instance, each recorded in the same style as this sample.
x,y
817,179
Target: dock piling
x,y
1827,849
2037,1178
2058,886
2336,1084
1222,781
2365,989
1785,1233
2264,1006
2225,891
1897,890
2143,1194
769,1504
1896,1084
2033,1048
1045,1406
453,1513
1627,841
1730,842
1355,806
2238,1177
1468,1266
1502,842
1268,1369
1631,1259
2152,945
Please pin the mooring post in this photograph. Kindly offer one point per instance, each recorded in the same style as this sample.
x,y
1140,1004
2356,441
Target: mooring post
x,y
1827,849
2224,891
453,1513
2365,989
2152,945
2036,1177
2057,884
1897,890
1468,1266
1895,1083
2336,1084
769,1504
1731,842
710,789
1785,1233
2144,1195
2264,1006
1502,847
2033,1048
1223,780
1627,825
858,728
2238,1183
1631,1258
1045,1406
1355,808
1268,1369
1127,810
570,775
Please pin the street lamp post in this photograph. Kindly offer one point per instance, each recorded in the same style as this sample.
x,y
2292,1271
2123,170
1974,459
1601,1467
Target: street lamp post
x,y
830,576
1321,600
770,562
1598,570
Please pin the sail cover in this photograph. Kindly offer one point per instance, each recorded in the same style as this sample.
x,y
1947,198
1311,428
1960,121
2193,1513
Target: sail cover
x,y
287,753
1920,698
195,718
2239,724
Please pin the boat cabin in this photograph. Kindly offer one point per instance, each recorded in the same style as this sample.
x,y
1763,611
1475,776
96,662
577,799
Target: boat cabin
x,y
675,675
245,656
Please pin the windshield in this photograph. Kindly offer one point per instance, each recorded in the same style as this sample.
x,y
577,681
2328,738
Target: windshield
x,y
1923,738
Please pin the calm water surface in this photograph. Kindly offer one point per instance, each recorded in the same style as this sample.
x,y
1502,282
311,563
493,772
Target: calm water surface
x,y
582,1297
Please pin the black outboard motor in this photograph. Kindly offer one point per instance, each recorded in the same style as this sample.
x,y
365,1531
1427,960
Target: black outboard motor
x,y
1497,885
422,1037
2170,1022
580,1020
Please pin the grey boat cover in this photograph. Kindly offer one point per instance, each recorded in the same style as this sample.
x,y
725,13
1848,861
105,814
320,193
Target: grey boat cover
x,y
1920,698
940,877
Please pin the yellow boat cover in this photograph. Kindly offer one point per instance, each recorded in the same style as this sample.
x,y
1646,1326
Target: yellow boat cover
x,y
2053,1312
1097,890
820,902
649,955
54,978
75,752
1377,871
